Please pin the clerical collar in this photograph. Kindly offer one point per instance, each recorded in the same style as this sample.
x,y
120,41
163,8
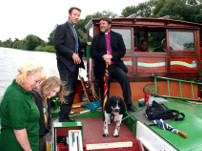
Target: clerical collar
x,y
107,33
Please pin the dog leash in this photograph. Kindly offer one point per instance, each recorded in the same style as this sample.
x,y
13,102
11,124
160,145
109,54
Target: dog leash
x,y
131,114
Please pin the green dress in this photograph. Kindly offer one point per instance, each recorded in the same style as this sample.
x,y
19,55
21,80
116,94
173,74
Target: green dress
x,y
18,111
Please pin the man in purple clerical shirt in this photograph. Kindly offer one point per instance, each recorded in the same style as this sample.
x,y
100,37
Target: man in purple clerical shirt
x,y
108,48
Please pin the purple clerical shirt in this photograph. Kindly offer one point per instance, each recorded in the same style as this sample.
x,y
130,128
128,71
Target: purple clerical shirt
x,y
109,49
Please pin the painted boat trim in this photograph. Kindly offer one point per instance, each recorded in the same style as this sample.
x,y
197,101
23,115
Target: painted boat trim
x,y
161,64
109,145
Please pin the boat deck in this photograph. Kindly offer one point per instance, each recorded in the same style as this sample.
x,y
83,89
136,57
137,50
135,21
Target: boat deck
x,y
93,135
191,125
93,139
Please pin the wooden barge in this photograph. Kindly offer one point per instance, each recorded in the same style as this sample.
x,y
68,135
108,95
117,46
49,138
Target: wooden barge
x,y
174,74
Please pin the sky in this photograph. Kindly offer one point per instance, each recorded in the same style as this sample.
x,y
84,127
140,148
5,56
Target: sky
x,y
19,18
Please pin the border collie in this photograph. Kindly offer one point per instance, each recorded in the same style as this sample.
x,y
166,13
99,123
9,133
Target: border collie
x,y
114,110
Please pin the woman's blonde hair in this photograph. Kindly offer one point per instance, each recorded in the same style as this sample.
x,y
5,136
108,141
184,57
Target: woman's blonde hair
x,y
51,83
29,68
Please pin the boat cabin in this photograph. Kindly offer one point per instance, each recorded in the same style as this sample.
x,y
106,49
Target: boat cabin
x,y
180,58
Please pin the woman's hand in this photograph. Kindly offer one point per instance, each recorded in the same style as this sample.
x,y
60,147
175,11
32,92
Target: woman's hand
x,y
21,136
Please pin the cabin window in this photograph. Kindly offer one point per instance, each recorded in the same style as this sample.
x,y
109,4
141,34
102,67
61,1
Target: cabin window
x,y
139,36
181,41
126,34
153,40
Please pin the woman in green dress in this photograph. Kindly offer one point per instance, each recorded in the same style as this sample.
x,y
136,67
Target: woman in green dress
x,y
19,113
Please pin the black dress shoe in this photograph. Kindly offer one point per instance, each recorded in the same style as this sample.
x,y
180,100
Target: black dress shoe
x,y
66,120
131,108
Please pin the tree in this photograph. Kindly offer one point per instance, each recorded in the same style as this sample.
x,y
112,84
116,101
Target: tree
x,y
141,10
51,37
8,43
17,44
178,9
80,27
144,10
129,10
31,42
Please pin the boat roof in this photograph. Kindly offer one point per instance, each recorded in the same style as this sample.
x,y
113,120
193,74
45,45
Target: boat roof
x,y
148,22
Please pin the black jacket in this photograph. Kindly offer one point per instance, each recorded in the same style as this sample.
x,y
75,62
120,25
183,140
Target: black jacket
x,y
38,98
64,43
99,48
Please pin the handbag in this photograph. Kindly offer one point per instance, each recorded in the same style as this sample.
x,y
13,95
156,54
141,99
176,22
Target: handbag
x,y
160,111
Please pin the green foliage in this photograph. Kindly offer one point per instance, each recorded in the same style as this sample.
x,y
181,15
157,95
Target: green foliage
x,y
198,18
80,26
82,35
8,43
129,10
177,9
17,44
141,10
172,8
48,48
144,10
51,37
31,42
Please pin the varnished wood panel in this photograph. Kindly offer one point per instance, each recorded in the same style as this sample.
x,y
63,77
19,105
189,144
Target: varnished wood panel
x,y
183,64
151,65
128,61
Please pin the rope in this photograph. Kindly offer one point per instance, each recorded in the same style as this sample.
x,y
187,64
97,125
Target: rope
x,y
95,96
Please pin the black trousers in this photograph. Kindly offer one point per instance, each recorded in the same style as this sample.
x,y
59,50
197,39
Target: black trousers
x,y
42,143
121,76
70,81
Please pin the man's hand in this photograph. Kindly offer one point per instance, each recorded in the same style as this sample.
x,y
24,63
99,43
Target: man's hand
x,y
89,43
108,61
107,58
76,58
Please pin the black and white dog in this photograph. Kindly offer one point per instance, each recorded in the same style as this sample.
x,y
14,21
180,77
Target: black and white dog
x,y
114,110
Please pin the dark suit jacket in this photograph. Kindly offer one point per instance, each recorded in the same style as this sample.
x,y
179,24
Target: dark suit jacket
x,y
99,48
64,43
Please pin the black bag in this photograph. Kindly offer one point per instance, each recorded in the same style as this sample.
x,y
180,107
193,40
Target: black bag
x,y
160,111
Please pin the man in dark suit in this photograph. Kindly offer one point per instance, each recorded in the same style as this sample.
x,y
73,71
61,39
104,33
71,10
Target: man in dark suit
x,y
69,59
108,48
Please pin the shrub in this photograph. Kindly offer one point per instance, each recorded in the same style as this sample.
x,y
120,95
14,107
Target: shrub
x,y
47,48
